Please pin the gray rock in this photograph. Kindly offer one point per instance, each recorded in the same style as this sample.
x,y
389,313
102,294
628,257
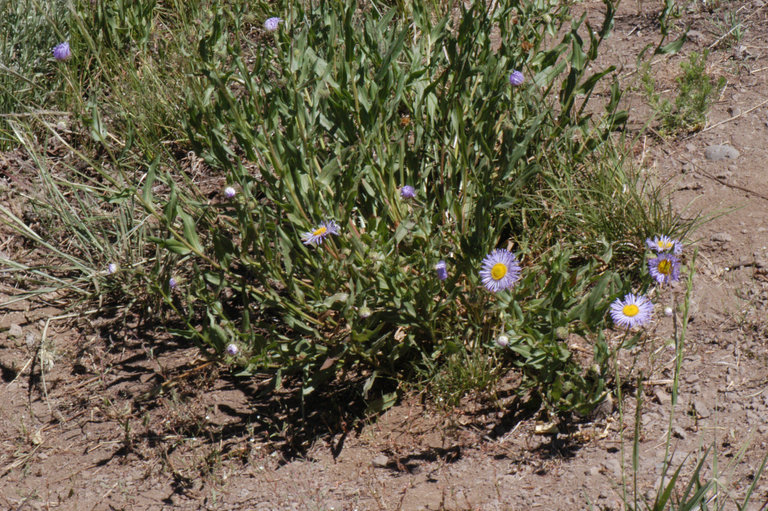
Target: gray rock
x,y
702,410
721,237
695,36
603,410
15,331
662,397
734,110
612,467
380,461
721,152
678,432
651,418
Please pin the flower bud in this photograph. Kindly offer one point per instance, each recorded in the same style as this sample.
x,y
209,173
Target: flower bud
x,y
61,51
272,24
442,272
516,78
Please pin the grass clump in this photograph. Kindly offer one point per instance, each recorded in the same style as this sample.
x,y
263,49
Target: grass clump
x,y
28,76
696,92
257,177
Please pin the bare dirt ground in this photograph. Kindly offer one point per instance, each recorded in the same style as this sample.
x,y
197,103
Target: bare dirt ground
x,y
103,415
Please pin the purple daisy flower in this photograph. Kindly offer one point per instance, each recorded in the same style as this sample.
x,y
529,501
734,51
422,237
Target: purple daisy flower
x,y
442,272
516,78
633,310
665,268
272,24
229,192
232,349
500,270
61,51
664,243
318,234
407,192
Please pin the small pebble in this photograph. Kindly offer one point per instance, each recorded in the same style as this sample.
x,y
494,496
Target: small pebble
x,y
380,461
702,409
15,331
721,152
662,397
695,36
721,237
613,467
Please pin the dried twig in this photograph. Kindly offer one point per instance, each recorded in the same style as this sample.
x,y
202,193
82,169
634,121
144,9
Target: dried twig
x,y
734,117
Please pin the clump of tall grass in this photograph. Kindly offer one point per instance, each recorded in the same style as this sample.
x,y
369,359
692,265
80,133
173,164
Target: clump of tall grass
x,y
29,30
362,163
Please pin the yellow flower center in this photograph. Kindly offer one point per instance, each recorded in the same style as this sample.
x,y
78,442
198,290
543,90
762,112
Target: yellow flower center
x,y
664,245
665,267
630,310
319,231
498,271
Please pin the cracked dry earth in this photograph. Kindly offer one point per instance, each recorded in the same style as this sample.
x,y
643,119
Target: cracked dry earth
x,y
101,416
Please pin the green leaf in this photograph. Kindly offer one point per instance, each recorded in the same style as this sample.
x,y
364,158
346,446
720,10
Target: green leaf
x,y
385,402
190,231
369,383
171,244
149,182
672,47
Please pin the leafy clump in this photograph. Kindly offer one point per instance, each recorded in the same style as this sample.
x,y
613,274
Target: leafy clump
x,y
696,91
340,109
317,199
